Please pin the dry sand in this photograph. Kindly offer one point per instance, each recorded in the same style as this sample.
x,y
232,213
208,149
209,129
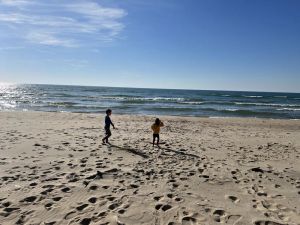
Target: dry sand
x,y
208,171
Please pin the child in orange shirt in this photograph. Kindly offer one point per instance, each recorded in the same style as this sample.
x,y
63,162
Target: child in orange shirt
x,y
156,129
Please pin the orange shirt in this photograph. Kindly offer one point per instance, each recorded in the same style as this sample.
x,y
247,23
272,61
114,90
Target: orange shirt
x,y
156,128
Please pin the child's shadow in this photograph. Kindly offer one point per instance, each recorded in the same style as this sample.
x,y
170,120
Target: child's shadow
x,y
131,150
178,152
145,156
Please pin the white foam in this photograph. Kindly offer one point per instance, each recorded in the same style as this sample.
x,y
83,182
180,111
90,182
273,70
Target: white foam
x,y
252,96
265,104
193,103
231,110
280,96
288,109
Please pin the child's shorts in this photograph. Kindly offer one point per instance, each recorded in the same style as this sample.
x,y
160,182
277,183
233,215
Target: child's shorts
x,y
107,131
155,135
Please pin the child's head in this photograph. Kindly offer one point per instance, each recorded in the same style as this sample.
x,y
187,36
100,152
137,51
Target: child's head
x,y
157,121
108,112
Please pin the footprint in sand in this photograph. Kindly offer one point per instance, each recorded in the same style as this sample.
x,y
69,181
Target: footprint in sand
x,y
219,215
6,204
102,214
93,187
10,209
232,219
85,221
163,207
171,223
33,184
113,206
56,199
92,200
121,211
171,196
188,220
29,199
81,207
70,215
48,206
66,189
21,219
166,207
157,198
47,191
232,198
192,219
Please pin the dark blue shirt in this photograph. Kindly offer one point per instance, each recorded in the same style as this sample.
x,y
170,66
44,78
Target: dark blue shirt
x,y
108,122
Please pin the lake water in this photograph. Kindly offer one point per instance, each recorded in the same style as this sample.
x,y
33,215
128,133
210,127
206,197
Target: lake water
x,y
85,99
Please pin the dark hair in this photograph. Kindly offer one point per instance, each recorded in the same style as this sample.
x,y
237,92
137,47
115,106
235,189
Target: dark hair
x,y
157,121
108,111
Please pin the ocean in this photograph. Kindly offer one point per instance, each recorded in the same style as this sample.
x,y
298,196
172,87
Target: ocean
x,y
202,103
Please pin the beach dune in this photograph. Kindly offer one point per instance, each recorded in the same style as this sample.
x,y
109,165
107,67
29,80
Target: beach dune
x,y
54,170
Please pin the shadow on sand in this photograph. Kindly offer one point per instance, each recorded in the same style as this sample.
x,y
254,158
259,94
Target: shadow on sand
x,y
179,152
131,150
145,156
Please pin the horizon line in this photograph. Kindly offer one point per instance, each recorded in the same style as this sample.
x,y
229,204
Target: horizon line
x,y
183,89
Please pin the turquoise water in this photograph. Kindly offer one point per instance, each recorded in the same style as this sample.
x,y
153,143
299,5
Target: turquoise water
x,y
149,101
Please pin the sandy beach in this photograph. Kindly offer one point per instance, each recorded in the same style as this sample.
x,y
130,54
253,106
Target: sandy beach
x,y
55,170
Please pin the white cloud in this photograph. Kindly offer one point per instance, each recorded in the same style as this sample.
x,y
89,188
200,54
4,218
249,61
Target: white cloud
x,y
95,11
62,24
15,2
46,38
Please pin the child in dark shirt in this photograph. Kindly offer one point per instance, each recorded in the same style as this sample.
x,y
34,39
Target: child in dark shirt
x,y
107,126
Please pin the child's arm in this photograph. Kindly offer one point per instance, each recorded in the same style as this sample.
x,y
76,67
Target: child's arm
x,y
111,123
161,124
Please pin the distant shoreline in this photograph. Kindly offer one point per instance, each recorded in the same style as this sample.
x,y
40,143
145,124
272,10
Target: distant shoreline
x,y
101,114
151,88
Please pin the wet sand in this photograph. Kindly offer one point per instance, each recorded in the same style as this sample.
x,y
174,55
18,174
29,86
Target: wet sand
x,y
54,170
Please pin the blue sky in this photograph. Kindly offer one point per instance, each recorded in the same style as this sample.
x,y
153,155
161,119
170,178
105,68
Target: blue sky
x,y
190,44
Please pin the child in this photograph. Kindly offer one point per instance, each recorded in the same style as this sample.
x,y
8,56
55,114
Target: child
x,y
107,126
156,128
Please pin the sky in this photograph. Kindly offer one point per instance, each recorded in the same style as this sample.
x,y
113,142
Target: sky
x,y
191,44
